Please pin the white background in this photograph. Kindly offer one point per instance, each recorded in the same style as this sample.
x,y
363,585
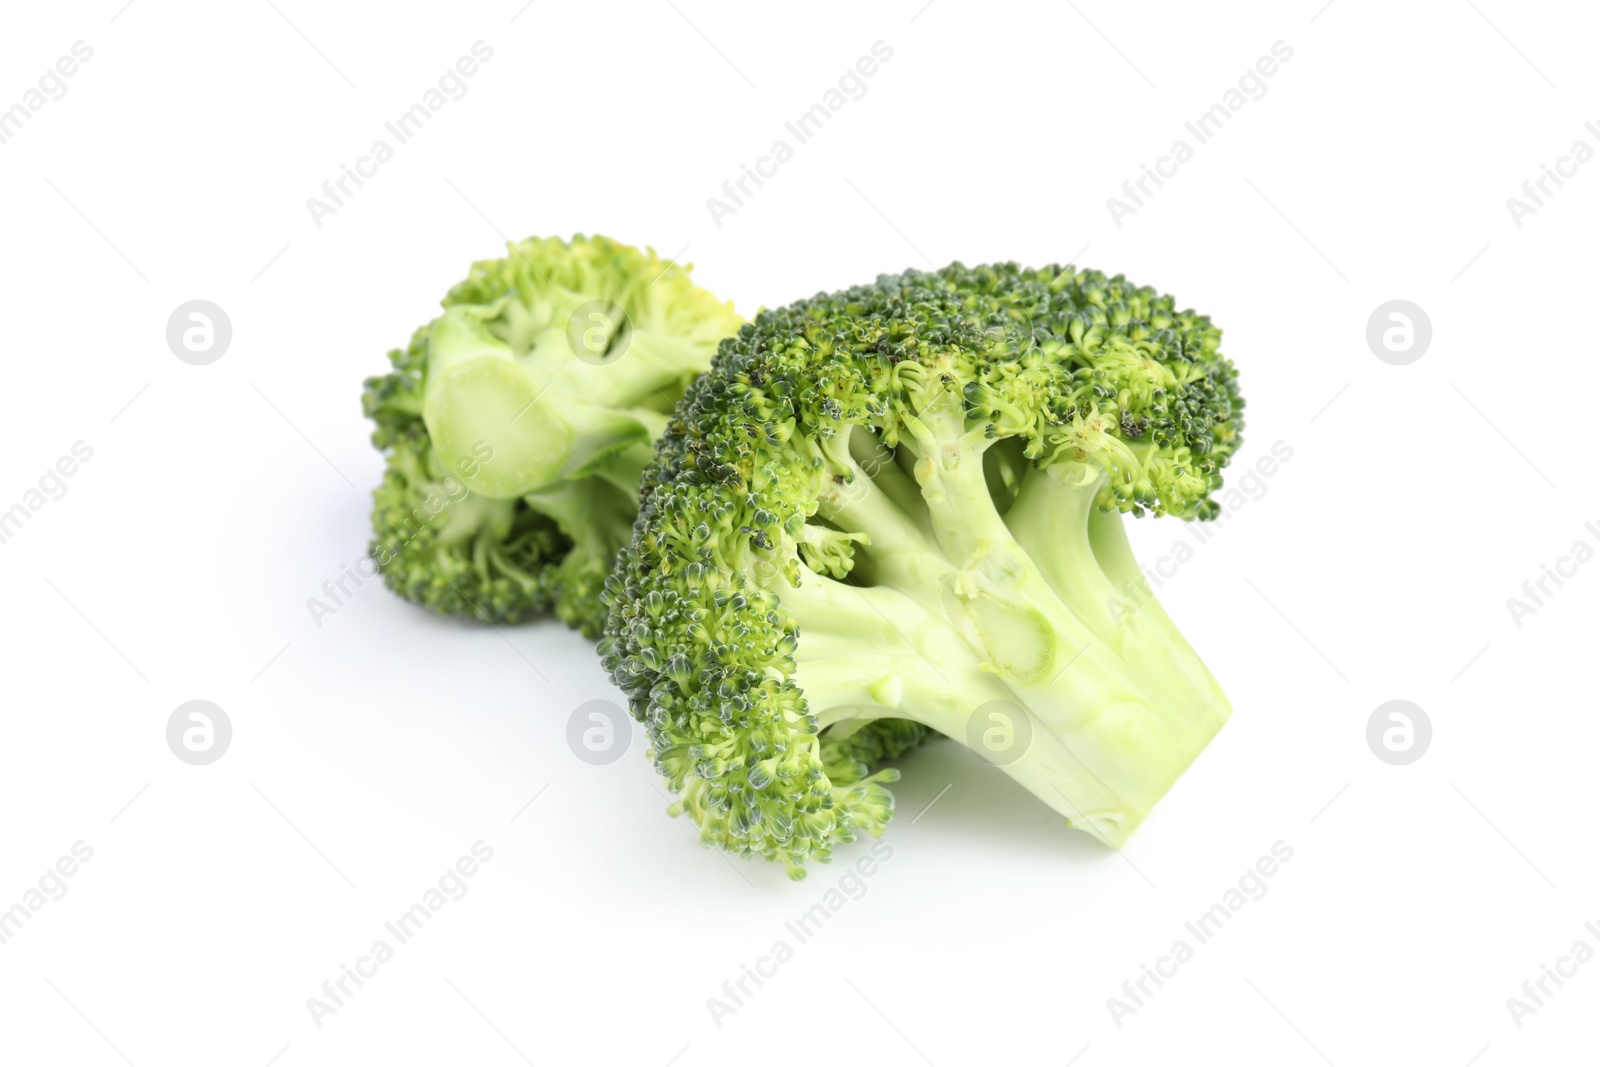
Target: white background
x,y
372,751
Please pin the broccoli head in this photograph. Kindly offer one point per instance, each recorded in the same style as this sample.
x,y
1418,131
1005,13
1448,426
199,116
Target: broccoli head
x,y
899,508
517,424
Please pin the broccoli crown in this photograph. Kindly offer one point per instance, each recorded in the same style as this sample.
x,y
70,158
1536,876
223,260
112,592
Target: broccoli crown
x,y
550,278
900,502
516,425
460,554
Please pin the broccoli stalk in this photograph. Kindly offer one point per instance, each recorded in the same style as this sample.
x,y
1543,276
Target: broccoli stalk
x,y
897,508
542,418
960,611
434,541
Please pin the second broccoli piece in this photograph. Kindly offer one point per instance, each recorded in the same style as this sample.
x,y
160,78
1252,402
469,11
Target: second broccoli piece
x,y
518,423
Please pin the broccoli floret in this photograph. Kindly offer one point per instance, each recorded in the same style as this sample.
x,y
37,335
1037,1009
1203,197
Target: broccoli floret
x,y
898,508
517,425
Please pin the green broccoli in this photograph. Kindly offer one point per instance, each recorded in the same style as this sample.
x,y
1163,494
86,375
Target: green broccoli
x,y
517,425
899,506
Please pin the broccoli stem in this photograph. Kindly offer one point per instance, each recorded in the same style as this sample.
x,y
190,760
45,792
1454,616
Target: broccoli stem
x,y
473,516
1041,606
512,419
625,469
596,515
1056,519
